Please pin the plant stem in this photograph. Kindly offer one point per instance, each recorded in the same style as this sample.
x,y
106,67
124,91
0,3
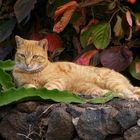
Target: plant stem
x,y
114,14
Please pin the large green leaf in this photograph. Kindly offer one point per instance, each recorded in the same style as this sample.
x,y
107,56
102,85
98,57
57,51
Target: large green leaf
x,y
6,28
134,69
5,80
15,95
22,8
101,35
7,65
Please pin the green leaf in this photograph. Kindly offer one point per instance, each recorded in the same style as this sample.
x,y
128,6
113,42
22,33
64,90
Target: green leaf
x,y
16,95
133,69
109,96
101,35
85,37
22,8
7,65
5,80
6,28
22,94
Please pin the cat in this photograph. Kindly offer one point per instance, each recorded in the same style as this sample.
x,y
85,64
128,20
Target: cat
x,y
33,69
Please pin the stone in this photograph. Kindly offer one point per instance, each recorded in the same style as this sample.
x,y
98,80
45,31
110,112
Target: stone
x,y
127,118
138,122
133,133
114,137
116,120
120,104
12,125
97,124
60,125
75,111
27,107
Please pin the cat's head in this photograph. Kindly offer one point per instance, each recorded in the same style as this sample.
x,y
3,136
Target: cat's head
x,y
31,55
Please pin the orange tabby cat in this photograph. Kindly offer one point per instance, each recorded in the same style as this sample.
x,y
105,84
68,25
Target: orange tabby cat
x,y
33,69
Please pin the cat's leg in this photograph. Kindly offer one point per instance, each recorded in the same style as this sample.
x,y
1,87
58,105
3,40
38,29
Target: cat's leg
x,y
56,84
29,86
90,89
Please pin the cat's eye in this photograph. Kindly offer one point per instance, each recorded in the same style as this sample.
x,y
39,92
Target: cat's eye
x,y
36,56
21,55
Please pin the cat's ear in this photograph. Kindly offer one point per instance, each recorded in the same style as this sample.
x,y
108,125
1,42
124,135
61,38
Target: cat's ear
x,y
43,43
19,40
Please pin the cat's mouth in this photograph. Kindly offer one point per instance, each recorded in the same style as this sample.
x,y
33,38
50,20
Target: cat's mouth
x,y
34,68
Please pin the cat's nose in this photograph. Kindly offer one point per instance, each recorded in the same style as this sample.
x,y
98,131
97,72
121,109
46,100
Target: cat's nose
x,y
28,62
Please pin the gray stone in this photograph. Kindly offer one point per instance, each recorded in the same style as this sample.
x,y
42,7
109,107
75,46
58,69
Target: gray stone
x,y
132,133
127,118
75,111
12,125
60,125
97,124
27,107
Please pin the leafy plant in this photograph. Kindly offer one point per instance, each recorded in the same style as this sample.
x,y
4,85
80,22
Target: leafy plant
x,y
5,78
16,95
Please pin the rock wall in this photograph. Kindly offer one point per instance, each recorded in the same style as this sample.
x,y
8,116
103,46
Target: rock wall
x,y
116,120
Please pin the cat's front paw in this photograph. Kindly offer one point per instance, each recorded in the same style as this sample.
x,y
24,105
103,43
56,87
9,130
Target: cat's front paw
x,y
29,86
51,87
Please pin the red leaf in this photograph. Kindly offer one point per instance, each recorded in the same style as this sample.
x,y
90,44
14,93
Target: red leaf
x,y
54,41
117,58
132,1
67,10
85,58
137,67
129,18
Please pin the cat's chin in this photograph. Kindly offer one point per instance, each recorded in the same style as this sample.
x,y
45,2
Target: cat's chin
x,y
36,69
30,69
33,69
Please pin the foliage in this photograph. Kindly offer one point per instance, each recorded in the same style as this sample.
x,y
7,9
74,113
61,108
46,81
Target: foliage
x,y
10,94
5,78
16,95
88,32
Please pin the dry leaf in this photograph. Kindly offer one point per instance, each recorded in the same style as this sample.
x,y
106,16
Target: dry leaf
x,y
85,58
129,18
67,10
132,1
118,30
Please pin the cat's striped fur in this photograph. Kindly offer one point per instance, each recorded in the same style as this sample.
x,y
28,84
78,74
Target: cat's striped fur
x,y
33,69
